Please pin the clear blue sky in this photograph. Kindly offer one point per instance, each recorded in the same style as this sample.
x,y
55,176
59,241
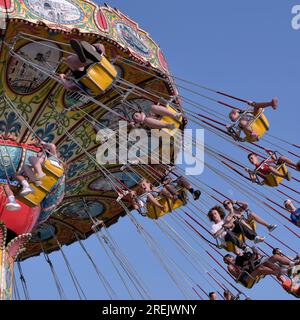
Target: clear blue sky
x,y
245,47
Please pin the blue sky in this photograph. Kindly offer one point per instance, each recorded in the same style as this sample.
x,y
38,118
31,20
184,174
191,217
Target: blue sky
x,y
245,48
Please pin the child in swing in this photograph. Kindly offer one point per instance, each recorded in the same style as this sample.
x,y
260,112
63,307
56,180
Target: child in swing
x,y
244,119
86,55
170,186
149,194
34,170
140,119
265,167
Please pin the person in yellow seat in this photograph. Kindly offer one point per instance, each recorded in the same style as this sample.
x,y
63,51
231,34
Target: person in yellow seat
x,y
132,198
225,231
85,55
255,265
141,120
244,118
148,194
170,186
34,171
239,208
267,166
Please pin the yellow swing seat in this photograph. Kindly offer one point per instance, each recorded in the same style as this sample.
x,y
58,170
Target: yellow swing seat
x,y
259,125
246,280
53,172
169,205
274,181
170,120
230,247
99,76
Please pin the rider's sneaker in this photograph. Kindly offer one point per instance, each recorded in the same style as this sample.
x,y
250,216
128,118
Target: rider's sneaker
x,y
272,227
41,176
26,190
259,239
13,206
196,194
247,249
37,183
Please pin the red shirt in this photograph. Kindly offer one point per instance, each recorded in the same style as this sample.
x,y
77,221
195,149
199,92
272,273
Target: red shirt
x,y
287,285
264,168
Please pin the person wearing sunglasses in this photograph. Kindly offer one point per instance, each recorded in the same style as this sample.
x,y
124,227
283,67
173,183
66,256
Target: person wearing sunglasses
x,y
239,226
239,208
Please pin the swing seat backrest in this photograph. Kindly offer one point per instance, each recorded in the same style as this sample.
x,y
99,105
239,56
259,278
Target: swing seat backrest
x,y
99,77
53,172
169,205
259,125
246,280
172,121
274,181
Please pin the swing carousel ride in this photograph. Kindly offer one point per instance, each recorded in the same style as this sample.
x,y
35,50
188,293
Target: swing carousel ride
x,y
76,196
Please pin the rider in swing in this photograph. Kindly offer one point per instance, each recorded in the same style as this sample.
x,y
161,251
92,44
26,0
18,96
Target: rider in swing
x,y
244,118
86,55
34,169
238,209
268,166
